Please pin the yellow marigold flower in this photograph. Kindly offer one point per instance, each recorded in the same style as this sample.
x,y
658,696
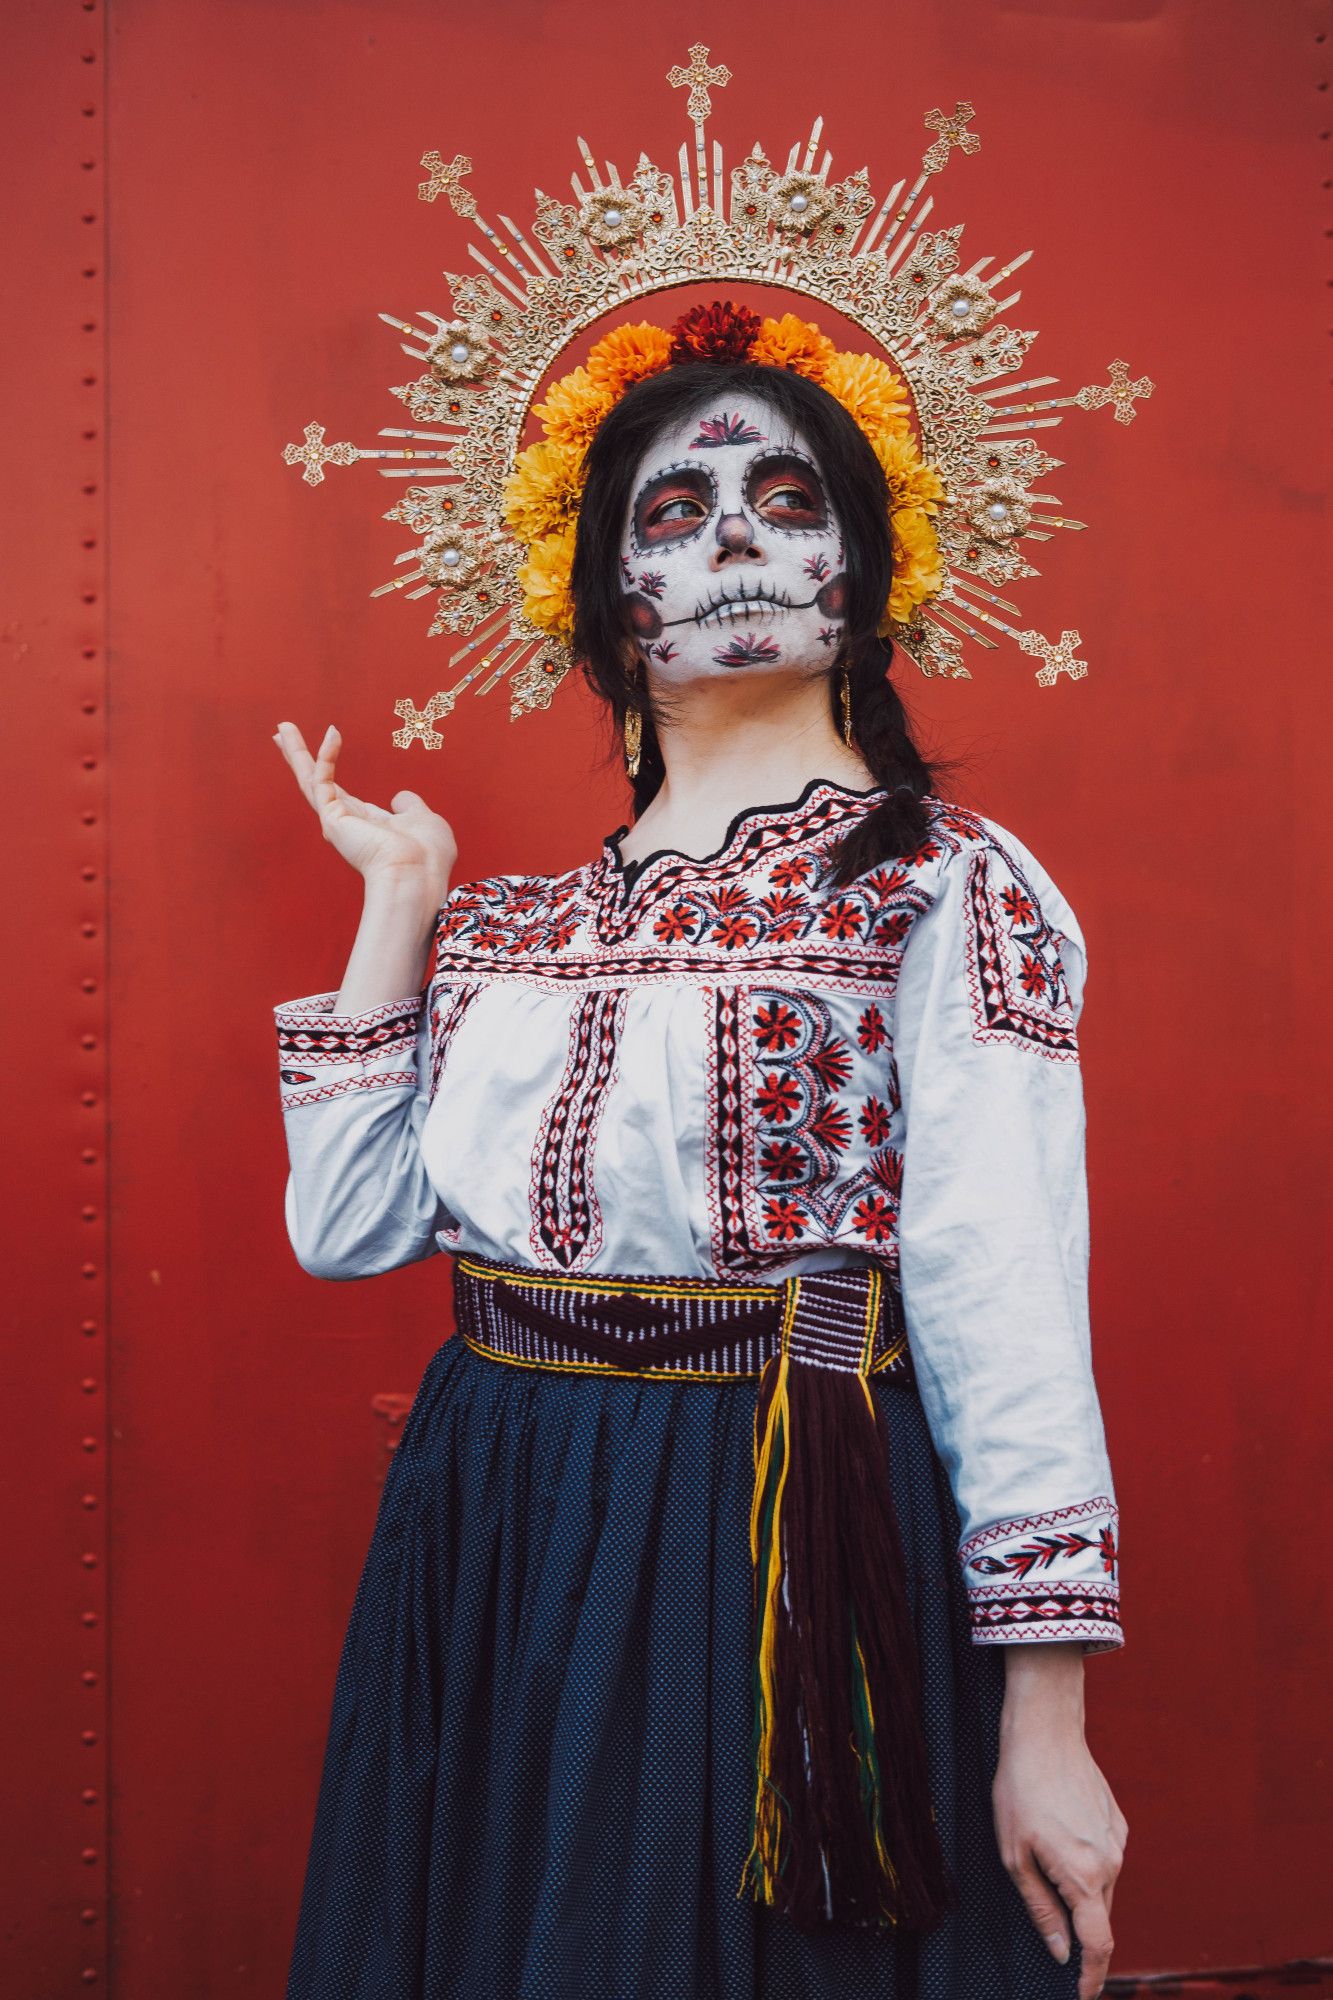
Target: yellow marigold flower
x,y
913,481
870,390
544,580
918,566
574,407
627,354
542,493
793,343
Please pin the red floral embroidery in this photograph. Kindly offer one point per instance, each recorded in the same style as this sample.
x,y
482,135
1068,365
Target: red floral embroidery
x,y
875,1120
785,1220
777,1026
872,1030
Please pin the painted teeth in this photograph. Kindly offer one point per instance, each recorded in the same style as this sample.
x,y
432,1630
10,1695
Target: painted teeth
x,y
760,602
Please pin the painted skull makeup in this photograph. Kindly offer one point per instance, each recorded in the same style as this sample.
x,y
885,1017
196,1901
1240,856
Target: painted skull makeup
x,y
732,555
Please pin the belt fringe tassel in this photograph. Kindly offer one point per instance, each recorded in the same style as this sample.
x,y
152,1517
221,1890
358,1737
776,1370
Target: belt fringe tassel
x,y
843,1826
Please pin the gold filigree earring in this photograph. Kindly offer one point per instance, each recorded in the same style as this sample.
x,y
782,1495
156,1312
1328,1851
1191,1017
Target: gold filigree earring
x,y
633,730
845,694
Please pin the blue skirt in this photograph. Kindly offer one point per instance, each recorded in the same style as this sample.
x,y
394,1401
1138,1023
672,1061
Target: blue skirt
x,y
538,1778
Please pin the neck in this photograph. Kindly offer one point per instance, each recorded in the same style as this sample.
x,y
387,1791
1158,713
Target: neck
x,y
737,742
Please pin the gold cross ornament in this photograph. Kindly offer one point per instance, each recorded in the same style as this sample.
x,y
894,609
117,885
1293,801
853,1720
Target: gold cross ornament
x,y
701,79
314,454
1059,659
952,133
417,721
1119,390
445,180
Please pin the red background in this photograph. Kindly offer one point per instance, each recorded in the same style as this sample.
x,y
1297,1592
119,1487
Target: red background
x,y
196,1430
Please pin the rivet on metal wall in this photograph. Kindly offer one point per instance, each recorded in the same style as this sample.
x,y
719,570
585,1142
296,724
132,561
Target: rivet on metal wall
x,y
85,50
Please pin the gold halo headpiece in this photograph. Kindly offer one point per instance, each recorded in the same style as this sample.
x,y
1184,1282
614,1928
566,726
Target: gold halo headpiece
x,y
494,522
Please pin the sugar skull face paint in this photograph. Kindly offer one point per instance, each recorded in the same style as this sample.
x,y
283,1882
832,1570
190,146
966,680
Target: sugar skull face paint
x,y
732,556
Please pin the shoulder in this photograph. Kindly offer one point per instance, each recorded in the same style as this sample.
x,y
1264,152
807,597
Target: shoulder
x,y
965,843
1017,925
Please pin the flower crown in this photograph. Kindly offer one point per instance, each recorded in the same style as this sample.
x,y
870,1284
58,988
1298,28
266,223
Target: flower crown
x,y
493,522
542,494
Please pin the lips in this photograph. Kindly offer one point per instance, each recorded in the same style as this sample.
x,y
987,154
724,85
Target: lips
x,y
743,605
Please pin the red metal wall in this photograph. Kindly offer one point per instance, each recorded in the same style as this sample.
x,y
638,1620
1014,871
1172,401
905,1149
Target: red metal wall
x,y
214,200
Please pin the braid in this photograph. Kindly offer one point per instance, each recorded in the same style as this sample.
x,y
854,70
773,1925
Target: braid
x,y
880,731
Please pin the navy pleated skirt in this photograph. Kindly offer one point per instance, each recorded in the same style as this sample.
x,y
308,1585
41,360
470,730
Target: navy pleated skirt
x,y
538,1783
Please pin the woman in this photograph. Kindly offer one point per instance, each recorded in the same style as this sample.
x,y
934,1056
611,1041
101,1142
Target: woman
x,y
749,1040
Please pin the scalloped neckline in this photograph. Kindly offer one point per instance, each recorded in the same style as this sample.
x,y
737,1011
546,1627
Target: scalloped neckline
x,y
630,873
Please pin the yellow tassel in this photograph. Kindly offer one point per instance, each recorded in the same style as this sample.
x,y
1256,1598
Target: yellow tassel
x,y
764,1847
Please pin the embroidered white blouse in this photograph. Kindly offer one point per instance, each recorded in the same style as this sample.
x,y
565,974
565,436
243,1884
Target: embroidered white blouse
x,y
718,1067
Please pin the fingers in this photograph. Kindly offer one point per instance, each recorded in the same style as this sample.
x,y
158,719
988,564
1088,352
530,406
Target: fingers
x,y
1045,1909
1092,1925
313,774
323,791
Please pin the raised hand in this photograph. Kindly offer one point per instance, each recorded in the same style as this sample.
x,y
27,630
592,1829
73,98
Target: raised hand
x,y
407,839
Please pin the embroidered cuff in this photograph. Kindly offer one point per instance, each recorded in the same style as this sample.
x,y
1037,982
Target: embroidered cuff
x,y
1047,1576
322,1056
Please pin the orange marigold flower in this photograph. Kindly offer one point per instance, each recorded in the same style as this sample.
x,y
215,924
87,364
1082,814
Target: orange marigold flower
x,y
870,390
627,354
913,481
574,407
793,343
544,581
542,493
918,566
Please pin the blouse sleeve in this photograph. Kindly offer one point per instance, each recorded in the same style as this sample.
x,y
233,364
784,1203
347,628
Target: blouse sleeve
x,y
355,1090
994,1246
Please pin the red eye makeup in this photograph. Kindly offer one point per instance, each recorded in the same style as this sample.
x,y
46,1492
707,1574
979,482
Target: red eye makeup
x,y
673,505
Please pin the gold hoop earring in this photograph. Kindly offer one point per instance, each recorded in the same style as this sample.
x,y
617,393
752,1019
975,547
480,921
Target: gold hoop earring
x,y
633,733
845,693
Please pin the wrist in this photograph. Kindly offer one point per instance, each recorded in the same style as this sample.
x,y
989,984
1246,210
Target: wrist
x,y
403,887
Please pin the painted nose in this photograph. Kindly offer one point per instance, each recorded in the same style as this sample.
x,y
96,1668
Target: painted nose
x,y
735,543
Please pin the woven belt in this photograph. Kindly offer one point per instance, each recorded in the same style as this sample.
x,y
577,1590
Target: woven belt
x,y
678,1327
842,1827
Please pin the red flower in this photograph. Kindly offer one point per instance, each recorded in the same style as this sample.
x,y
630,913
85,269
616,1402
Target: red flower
x,y
873,1218
1018,908
735,931
784,1218
875,1125
717,332
777,1027
673,925
871,1030
893,929
1032,977
780,1160
841,919
777,1099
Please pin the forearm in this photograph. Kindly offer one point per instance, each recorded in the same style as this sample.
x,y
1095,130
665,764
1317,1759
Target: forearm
x,y
1043,1689
392,947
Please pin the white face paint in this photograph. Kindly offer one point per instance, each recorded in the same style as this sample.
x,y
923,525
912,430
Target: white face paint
x,y
731,556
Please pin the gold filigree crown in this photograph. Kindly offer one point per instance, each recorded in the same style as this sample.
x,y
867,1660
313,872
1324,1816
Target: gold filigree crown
x,y
792,230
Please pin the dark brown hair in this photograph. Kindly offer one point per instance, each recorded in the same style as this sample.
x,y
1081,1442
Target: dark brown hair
x,y
880,727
